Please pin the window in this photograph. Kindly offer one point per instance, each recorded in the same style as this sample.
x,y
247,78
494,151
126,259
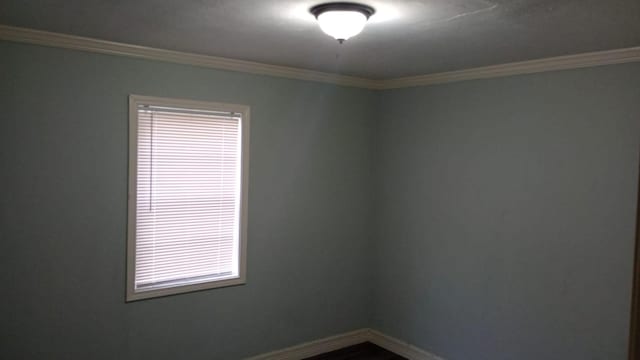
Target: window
x,y
188,171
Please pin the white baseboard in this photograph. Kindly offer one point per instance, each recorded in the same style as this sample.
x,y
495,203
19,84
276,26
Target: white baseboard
x,y
316,347
336,342
400,347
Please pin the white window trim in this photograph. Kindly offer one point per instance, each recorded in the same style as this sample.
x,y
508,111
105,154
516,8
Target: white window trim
x,y
134,101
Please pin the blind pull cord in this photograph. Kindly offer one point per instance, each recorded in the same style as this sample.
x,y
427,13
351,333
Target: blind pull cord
x,y
151,165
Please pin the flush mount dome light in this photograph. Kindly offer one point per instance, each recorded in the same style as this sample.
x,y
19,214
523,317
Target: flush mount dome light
x,y
342,20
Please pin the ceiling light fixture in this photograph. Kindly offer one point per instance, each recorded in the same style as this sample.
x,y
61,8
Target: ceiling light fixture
x,y
342,20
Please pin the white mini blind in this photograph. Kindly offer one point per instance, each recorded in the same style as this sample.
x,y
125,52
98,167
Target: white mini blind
x,y
188,187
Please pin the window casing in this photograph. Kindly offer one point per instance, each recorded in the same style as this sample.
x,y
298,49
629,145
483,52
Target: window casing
x,y
188,172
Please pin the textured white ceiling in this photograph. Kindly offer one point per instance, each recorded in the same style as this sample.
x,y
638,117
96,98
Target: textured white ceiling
x,y
403,38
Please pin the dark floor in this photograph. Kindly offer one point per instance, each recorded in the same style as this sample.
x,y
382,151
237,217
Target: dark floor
x,y
364,351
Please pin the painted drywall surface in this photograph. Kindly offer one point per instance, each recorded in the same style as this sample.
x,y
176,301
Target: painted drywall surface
x,y
506,213
63,170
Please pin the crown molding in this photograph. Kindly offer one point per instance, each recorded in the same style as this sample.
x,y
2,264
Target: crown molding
x,y
45,38
609,57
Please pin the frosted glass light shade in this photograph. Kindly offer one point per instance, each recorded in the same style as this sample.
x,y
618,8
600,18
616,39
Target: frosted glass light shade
x,y
342,20
342,24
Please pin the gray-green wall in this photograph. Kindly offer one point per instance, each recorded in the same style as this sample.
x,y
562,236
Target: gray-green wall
x,y
488,219
506,214
63,174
